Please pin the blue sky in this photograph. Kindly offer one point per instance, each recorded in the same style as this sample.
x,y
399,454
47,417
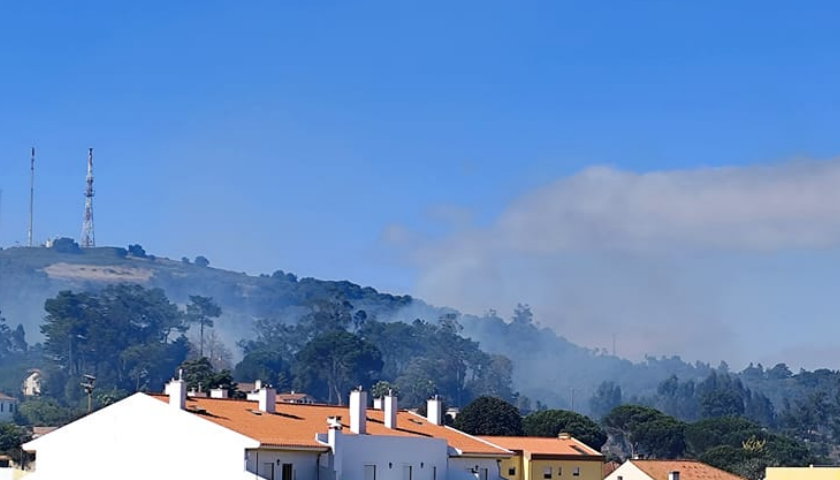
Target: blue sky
x,y
362,140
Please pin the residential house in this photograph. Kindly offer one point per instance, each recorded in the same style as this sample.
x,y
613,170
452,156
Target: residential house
x,y
803,473
8,407
296,397
669,470
175,436
538,458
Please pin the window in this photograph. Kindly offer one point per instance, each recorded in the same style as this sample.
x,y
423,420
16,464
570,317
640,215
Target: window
x,y
287,472
620,477
407,472
559,471
547,472
511,471
576,472
485,474
370,472
268,470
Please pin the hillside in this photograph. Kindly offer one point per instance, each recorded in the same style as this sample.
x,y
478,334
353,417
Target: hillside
x,y
547,367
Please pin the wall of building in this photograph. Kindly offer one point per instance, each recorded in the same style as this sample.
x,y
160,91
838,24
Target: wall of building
x,y
7,409
564,469
627,471
141,437
357,457
269,463
514,463
475,467
803,473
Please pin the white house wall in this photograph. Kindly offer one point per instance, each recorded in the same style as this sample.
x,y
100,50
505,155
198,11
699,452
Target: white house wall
x,y
304,463
141,438
628,471
394,457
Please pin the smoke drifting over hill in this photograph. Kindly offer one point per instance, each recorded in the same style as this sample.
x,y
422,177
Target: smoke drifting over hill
x,y
733,263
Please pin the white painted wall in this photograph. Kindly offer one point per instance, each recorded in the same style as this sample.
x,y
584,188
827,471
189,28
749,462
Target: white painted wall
x,y
628,471
304,464
141,438
392,457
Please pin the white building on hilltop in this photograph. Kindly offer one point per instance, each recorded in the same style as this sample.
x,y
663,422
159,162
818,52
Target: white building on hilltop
x,y
146,436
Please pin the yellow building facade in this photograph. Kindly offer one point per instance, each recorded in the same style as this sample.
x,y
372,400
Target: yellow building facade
x,y
540,458
803,473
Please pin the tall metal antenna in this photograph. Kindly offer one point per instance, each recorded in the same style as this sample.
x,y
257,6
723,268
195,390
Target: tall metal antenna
x,y
88,237
31,193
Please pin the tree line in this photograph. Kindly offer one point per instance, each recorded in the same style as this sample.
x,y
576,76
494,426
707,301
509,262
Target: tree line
x,y
732,443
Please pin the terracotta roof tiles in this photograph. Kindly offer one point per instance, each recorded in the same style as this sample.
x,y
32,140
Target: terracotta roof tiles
x,y
546,446
296,425
689,470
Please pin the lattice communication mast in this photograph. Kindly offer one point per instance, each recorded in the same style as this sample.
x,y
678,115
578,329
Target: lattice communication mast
x,y
88,237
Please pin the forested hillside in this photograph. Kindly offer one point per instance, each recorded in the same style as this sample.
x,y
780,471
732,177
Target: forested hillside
x,y
279,327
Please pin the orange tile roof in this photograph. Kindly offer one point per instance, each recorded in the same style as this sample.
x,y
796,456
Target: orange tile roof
x,y
546,446
295,425
689,470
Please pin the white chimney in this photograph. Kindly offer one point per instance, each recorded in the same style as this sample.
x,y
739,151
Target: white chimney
x,y
358,411
434,410
675,475
177,391
390,410
267,398
377,403
219,393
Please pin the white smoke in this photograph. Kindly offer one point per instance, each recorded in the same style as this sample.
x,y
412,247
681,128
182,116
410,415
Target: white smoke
x,y
668,262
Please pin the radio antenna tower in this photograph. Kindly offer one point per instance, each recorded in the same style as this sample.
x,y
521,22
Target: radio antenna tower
x,y
31,193
88,237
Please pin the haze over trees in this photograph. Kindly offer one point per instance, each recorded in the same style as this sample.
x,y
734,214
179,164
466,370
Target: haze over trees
x,y
326,337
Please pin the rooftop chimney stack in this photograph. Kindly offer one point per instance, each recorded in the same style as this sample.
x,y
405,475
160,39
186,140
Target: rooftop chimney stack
x,y
434,410
358,411
267,398
177,391
390,410
218,393
675,475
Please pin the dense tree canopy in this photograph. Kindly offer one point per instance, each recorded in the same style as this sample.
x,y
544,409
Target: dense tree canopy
x,y
645,431
490,416
550,423
121,335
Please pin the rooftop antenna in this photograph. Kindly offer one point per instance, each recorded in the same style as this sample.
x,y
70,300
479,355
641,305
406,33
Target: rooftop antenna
x,y
88,237
31,193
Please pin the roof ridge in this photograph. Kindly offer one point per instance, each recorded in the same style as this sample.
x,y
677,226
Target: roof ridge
x,y
477,438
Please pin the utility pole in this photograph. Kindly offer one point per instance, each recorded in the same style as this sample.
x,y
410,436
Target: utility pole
x,y
88,236
31,192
